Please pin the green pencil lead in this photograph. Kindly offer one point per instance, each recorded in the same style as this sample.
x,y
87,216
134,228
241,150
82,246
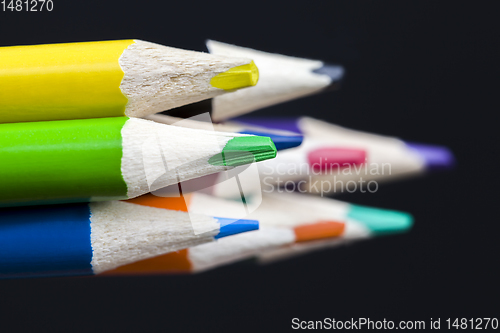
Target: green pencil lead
x,y
245,150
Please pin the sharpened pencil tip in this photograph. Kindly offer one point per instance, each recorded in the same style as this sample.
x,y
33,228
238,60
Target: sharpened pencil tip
x,y
230,227
280,141
237,77
243,150
335,72
435,157
326,159
319,230
381,221
280,123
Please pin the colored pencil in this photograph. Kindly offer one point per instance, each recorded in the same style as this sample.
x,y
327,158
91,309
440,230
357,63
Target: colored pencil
x,y
111,78
284,219
281,139
361,222
108,158
282,78
372,225
229,250
387,158
87,239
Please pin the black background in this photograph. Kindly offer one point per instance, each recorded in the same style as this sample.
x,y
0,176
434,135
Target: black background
x,y
422,70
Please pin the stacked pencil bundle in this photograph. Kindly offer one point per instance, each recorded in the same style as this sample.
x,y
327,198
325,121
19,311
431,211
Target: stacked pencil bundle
x,y
72,143
314,157
94,181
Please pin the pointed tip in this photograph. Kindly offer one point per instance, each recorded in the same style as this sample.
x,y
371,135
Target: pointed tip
x,y
242,150
326,159
319,230
435,157
230,227
280,123
280,141
334,72
381,221
237,77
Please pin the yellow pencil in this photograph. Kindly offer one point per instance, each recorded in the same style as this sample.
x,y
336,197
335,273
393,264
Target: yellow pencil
x,y
111,78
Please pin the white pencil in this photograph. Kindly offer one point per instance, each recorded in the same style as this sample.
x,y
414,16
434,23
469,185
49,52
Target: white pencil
x,y
281,79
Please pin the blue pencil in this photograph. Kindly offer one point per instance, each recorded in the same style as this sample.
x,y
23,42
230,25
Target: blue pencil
x,y
282,139
87,239
432,156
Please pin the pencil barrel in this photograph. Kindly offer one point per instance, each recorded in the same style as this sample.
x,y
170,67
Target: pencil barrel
x,y
45,241
61,161
61,81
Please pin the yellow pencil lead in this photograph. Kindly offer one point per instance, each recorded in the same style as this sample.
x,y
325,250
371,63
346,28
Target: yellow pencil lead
x,y
237,77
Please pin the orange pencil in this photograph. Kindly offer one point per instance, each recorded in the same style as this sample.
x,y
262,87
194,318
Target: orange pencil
x,y
229,250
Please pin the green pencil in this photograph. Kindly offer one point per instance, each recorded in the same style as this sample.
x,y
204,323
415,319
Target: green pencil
x,y
112,158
